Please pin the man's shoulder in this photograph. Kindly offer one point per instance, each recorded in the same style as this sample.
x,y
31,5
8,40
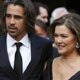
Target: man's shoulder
x,y
2,42
41,40
2,38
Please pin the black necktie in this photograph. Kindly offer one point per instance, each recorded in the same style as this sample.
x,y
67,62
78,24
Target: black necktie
x,y
18,60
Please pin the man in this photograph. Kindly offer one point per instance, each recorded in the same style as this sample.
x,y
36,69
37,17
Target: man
x,y
18,26
41,29
57,13
41,11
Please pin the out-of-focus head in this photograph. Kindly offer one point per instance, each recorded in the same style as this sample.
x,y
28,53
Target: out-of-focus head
x,y
67,26
40,28
41,11
57,13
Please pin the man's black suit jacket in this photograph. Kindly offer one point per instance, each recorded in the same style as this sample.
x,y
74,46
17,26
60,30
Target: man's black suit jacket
x,y
40,52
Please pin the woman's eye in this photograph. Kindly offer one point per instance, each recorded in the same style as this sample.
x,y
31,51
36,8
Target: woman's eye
x,y
55,35
64,36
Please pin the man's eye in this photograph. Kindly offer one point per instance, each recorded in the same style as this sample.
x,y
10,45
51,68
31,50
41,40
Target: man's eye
x,y
8,16
44,17
18,17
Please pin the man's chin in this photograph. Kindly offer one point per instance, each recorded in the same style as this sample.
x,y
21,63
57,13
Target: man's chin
x,y
12,34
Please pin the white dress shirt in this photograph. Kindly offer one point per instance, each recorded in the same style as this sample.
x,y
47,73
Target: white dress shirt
x,y
25,50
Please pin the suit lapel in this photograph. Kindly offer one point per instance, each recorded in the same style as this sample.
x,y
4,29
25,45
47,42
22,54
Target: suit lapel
x,y
5,64
35,57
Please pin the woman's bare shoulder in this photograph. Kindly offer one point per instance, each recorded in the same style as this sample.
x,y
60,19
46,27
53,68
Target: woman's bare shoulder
x,y
56,61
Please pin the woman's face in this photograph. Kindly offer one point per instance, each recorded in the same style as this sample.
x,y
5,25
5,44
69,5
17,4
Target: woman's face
x,y
64,40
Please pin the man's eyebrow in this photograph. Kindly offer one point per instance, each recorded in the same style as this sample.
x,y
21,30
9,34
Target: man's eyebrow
x,y
44,16
14,15
7,14
18,16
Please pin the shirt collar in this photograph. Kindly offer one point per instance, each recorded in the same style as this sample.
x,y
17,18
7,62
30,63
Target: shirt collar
x,y
11,41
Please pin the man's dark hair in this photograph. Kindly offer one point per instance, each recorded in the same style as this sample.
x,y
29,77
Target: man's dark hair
x,y
37,5
0,7
29,13
41,24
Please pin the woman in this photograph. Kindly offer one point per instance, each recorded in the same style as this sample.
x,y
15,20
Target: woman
x,y
66,32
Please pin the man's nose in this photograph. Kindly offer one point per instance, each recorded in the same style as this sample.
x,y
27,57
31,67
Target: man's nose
x,y
46,20
12,21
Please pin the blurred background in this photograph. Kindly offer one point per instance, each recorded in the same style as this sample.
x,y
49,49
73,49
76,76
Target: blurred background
x,y
71,5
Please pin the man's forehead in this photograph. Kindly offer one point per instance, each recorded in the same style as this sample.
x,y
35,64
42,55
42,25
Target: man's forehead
x,y
15,5
42,8
15,9
43,11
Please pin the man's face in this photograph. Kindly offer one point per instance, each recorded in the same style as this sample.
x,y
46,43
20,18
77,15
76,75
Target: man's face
x,y
15,21
43,16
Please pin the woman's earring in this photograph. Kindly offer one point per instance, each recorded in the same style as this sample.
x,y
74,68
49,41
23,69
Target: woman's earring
x,y
77,45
